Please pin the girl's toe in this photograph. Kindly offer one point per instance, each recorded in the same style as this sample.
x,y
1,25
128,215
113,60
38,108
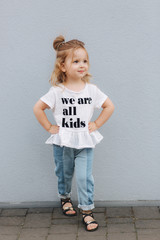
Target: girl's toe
x,y
92,226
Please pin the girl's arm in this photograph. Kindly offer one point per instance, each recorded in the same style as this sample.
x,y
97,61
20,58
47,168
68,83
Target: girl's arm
x,y
38,110
107,111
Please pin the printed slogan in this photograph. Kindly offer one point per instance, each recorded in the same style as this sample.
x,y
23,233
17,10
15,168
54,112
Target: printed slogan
x,y
72,111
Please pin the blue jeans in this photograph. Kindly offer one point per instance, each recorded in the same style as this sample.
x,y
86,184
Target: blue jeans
x,y
66,160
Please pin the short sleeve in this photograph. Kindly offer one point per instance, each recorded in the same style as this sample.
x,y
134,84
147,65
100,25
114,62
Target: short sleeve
x,y
49,98
100,98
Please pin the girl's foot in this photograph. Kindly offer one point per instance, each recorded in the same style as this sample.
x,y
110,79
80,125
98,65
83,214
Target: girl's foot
x,y
67,207
89,221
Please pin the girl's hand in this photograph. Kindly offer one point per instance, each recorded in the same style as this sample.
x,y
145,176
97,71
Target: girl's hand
x,y
54,129
92,126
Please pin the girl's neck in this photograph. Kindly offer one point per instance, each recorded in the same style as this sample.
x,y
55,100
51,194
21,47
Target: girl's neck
x,y
70,82
75,86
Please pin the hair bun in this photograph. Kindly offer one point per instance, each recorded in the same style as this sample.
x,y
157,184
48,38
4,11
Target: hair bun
x,y
60,39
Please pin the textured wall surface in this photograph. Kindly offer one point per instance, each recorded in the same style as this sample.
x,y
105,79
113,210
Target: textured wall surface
x,y
122,39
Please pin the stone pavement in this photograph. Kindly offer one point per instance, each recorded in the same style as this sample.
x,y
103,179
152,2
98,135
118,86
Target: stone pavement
x,y
115,223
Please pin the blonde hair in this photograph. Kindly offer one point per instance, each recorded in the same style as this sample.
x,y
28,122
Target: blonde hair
x,y
63,49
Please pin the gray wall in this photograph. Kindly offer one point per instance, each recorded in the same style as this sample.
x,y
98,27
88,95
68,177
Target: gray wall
x,y
122,39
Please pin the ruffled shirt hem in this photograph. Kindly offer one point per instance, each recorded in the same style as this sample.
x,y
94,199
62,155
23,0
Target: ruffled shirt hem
x,y
76,140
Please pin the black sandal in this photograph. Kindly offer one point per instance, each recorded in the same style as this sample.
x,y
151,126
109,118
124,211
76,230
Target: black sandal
x,y
66,209
89,222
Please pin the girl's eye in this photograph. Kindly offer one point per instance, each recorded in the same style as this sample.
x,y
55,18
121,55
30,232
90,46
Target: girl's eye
x,y
76,61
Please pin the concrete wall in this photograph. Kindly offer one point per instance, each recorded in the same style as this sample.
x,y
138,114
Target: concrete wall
x,y
122,39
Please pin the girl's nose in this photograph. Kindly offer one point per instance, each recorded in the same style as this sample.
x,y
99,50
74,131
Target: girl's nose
x,y
81,64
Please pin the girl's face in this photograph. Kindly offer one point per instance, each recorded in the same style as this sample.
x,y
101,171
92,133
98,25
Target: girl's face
x,y
76,65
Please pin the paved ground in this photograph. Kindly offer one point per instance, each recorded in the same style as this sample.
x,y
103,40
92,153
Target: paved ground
x,y
116,223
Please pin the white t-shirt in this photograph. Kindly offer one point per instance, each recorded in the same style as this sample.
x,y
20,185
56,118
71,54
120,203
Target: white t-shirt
x,y
72,112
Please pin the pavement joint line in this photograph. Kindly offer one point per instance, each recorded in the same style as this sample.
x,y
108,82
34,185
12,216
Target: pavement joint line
x,y
27,212
134,222
78,225
105,212
147,219
78,213
21,228
50,224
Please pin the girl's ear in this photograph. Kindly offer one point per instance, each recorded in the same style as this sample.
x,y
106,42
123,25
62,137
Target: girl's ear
x,y
62,67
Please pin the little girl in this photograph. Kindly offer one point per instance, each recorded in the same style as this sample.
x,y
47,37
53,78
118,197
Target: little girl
x,y
72,99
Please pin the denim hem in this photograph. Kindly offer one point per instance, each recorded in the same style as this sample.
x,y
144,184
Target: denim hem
x,y
64,196
86,207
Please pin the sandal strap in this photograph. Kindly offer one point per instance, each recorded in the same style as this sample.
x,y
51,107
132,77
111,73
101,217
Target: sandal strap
x,y
90,215
65,200
87,214
90,222
68,208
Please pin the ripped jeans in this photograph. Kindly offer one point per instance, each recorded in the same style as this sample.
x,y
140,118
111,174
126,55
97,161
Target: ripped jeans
x,y
66,160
